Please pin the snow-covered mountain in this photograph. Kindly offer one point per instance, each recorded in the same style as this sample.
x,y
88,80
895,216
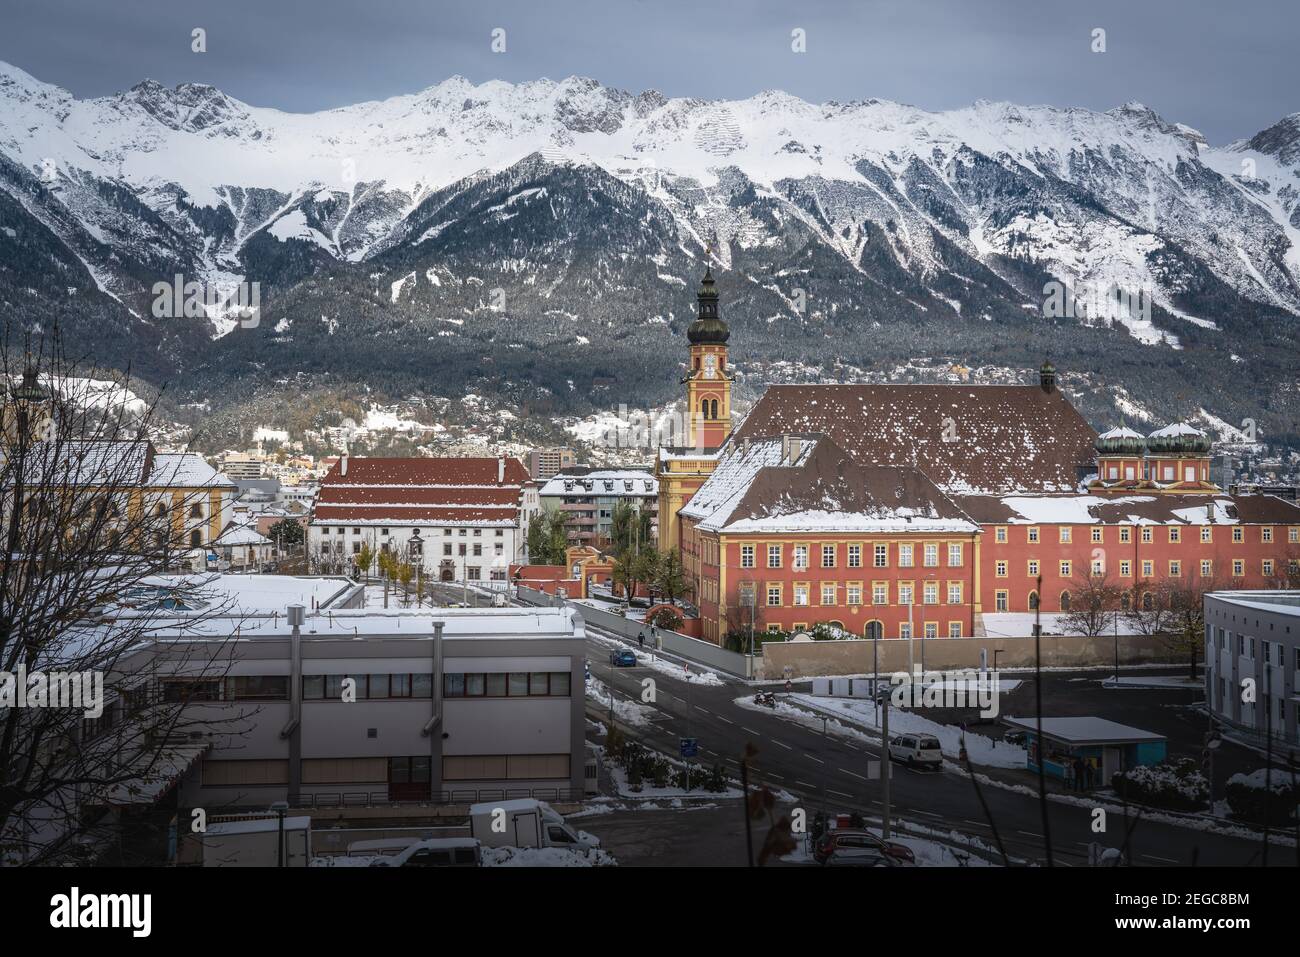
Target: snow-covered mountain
x,y
547,213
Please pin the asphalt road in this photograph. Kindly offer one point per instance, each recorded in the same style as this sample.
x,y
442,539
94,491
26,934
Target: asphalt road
x,y
827,771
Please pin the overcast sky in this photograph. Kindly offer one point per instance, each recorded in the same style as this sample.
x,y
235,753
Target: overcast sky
x,y
1227,67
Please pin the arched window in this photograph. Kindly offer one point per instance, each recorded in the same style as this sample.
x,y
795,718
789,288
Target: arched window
x,y
1033,600
1147,601
713,409
704,408
1125,601
196,537
196,510
1065,601
875,629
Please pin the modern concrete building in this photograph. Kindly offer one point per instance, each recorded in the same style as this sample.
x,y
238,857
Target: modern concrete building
x,y
354,706
543,463
1252,663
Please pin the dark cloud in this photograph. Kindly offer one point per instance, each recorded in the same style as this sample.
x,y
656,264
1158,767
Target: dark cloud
x,y
1228,69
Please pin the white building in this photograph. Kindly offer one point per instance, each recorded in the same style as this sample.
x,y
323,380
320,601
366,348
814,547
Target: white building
x,y
1252,663
463,519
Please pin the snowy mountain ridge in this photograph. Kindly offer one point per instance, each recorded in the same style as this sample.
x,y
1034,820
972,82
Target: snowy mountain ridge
x,y
591,209
379,159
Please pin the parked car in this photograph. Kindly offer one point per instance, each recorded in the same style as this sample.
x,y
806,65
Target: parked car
x,y
917,750
438,852
622,659
851,843
1015,737
861,857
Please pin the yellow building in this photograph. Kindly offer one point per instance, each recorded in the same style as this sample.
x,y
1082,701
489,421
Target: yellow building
x,y
681,470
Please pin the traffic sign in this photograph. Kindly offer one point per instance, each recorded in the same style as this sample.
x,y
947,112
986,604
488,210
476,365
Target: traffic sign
x,y
690,747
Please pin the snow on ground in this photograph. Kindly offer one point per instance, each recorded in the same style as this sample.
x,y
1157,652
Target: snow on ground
x,y
619,776
361,860
696,675
607,805
1113,806
629,712
982,750
1154,682
545,857
928,853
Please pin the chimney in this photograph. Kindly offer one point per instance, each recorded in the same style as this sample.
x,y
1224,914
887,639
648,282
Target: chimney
x,y
1047,376
501,469
790,446
343,464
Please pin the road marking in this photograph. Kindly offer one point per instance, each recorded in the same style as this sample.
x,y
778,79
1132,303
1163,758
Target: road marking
x,y
748,730
805,784
854,773
721,718
840,793
1153,857
783,744
1030,833
811,758
698,708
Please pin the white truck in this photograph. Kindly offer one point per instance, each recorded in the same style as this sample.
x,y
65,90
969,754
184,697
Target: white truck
x,y
525,822
253,843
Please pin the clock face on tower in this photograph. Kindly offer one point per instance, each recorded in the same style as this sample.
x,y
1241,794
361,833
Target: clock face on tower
x,y
710,366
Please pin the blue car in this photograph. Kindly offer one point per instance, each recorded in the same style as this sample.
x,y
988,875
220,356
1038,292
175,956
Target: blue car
x,y
622,659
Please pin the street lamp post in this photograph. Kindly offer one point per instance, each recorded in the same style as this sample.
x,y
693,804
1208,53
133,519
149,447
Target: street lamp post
x,y
280,808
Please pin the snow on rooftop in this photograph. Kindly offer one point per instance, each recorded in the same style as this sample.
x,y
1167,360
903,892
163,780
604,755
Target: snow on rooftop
x,y
1121,432
1086,730
1178,428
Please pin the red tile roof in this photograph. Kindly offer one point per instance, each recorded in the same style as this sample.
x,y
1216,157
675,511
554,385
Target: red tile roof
x,y
421,490
400,515
424,471
504,495
982,438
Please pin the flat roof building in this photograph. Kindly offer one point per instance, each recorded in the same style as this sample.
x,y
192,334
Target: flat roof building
x,y
1252,663
358,706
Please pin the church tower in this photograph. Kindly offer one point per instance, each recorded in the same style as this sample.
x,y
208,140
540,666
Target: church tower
x,y
708,379
682,469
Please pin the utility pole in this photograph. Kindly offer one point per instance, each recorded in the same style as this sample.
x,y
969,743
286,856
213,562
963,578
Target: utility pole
x,y
884,769
875,675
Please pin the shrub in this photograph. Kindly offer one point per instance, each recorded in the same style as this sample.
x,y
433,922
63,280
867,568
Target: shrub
x,y
666,619
1175,785
1251,801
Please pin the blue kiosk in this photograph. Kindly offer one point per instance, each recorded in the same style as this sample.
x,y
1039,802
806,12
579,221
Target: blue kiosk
x,y
1105,747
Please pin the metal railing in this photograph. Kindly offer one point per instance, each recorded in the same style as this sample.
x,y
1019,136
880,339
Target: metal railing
x,y
329,800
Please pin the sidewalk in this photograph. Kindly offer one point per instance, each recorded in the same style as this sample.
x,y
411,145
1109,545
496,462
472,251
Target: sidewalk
x,y
1026,782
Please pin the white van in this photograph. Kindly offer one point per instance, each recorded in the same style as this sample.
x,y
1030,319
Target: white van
x,y
916,750
525,822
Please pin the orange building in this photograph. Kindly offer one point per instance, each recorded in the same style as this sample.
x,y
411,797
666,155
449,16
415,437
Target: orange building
x,y
681,470
889,510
